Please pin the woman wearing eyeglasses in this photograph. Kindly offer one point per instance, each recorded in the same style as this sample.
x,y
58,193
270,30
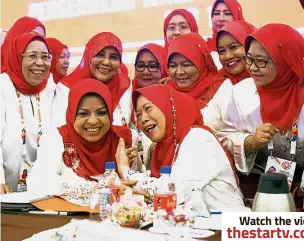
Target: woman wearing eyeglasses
x,y
26,98
149,69
265,117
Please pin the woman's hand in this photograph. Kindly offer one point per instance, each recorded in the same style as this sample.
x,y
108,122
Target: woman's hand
x,y
129,184
5,189
132,154
121,156
262,137
164,80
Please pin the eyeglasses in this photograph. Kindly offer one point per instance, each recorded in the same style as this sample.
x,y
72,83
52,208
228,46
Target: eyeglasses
x,y
142,67
33,57
260,63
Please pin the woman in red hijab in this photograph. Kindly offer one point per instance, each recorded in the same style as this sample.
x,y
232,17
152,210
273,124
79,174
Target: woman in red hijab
x,y
22,25
222,12
275,113
81,147
193,72
178,22
101,60
61,59
149,65
173,120
230,46
26,98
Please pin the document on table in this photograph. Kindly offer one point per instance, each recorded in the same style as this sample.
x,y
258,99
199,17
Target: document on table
x,y
23,197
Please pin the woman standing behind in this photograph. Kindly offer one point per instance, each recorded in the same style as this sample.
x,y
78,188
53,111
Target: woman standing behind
x,y
193,72
178,22
22,25
149,69
149,65
81,147
101,61
61,59
268,109
223,12
230,42
26,98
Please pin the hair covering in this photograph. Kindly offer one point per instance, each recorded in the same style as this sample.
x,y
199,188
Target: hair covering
x,y
14,64
239,30
286,91
56,48
22,25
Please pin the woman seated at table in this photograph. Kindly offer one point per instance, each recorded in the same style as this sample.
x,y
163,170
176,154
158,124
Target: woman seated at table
x,y
22,25
61,59
149,69
102,60
70,155
26,100
267,109
193,72
173,120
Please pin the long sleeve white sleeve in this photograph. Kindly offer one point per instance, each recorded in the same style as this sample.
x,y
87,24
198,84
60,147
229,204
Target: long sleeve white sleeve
x,y
59,105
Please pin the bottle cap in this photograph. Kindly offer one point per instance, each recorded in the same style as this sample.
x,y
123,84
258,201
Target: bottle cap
x,y
165,170
273,183
110,165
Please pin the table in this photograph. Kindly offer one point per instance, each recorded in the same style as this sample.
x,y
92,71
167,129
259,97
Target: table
x,y
15,227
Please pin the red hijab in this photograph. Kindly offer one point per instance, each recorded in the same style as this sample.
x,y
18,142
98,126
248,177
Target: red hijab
x,y
237,13
118,84
239,30
159,53
56,48
187,15
186,116
14,64
22,25
286,91
193,47
92,156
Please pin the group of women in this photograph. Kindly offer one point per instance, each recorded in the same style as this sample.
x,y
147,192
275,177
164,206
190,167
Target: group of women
x,y
217,125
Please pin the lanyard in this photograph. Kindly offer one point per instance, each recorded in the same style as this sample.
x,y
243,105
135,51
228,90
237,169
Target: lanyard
x,y
27,164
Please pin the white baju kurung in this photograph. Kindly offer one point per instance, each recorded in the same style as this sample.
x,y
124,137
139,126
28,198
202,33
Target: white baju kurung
x,y
122,112
49,174
216,109
242,119
10,135
202,164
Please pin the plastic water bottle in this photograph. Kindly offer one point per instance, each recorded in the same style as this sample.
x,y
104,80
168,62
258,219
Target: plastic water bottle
x,y
165,197
109,189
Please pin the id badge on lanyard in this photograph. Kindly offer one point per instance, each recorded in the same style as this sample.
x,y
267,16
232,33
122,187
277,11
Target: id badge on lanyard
x,y
279,165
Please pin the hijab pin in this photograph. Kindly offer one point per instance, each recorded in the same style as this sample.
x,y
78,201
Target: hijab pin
x,y
199,45
280,45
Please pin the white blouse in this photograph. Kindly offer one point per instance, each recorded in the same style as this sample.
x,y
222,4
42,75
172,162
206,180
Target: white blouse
x,y
216,59
60,104
201,164
50,175
10,135
242,119
215,111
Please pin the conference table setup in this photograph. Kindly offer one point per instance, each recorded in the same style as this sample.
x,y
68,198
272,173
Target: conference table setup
x,y
56,219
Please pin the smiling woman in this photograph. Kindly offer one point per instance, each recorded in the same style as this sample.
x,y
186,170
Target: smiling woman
x,y
61,59
26,98
81,147
102,61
